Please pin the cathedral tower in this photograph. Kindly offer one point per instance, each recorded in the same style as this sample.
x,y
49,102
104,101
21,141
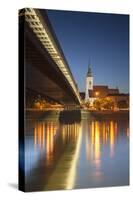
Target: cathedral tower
x,y
89,83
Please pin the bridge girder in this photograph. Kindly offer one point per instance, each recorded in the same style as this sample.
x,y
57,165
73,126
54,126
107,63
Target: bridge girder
x,y
45,59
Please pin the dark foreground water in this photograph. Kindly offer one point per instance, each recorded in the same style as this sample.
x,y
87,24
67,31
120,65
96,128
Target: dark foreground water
x,y
92,153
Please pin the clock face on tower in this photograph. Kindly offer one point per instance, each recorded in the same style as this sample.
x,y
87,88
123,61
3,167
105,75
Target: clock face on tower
x,y
89,83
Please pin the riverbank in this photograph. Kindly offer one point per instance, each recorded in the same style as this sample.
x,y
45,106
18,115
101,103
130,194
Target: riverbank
x,y
121,114
41,114
76,115
65,116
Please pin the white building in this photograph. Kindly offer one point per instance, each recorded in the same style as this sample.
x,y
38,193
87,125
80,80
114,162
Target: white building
x,y
89,83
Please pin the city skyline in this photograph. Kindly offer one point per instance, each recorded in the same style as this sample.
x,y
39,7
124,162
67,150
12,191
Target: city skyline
x,y
101,40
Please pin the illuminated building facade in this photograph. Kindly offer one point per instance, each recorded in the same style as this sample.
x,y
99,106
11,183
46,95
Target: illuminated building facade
x,y
94,92
89,83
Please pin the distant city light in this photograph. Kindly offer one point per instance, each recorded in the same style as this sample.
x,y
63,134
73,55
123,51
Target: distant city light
x,y
97,93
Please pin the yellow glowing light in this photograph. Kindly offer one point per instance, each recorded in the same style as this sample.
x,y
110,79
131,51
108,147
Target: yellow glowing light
x,y
127,131
39,135
104,132
97,93
112,138
43,134
37,104
93,133
87,147
35,137
97,141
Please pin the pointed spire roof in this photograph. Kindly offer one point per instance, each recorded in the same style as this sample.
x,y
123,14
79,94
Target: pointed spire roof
x,y
89,73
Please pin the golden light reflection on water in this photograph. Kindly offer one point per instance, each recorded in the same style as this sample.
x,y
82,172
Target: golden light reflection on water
x,y
100,134
39,135
112,138
70,135
67,152
62,143
70,139
69,132
72,172
104,132
127,131
95,144
97,141
44,133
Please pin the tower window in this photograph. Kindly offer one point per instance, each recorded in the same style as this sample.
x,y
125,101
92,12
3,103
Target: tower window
x,y
89,82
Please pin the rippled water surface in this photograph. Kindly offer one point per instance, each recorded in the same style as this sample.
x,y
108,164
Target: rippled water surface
x,y
92,153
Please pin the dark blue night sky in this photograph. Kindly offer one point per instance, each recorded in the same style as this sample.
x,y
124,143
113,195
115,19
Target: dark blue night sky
x,y
100,38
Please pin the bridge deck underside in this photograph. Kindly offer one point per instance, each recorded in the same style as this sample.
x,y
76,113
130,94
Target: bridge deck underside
x,y
42,75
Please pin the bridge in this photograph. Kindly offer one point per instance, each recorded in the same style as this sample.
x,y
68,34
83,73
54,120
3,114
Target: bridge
x,y
47,72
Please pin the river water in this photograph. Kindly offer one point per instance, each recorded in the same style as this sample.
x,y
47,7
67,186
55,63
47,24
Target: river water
x,y
86,154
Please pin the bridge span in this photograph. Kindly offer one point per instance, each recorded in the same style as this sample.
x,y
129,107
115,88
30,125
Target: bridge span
x,y
47,72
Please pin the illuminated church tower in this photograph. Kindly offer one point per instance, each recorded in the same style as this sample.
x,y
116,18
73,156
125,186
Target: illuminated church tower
x,y
89,83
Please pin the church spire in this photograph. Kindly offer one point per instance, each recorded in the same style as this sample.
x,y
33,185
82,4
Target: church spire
x,y
89,83
89,73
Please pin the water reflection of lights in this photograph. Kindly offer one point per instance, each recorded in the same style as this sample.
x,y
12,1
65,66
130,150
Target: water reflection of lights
x,y
69,131
39,135
127,131
61,148
97,141
65,171
72,172
44,133
112,138
101,133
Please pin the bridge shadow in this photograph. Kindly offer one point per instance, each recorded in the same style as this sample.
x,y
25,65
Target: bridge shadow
x,y
70,117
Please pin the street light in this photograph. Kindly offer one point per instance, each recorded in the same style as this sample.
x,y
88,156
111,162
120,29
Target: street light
x,y
97,93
